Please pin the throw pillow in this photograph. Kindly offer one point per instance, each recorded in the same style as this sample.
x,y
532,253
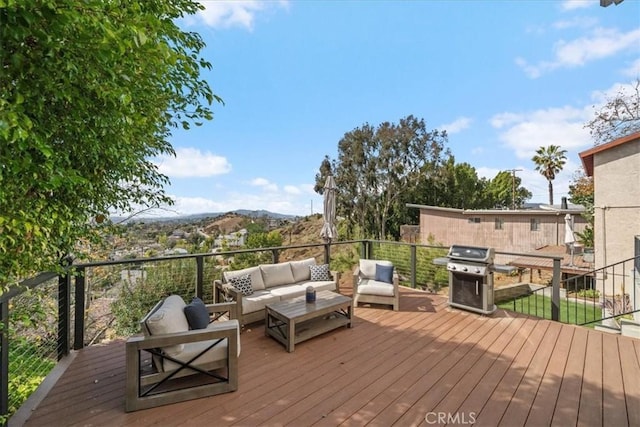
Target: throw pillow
x,y
384,273
243,284
319,272
197,314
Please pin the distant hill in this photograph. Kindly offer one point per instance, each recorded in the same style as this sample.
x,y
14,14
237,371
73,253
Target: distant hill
x,y
196,217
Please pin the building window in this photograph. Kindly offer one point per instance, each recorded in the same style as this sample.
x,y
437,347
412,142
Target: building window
x,y
499,224
535,224
474,220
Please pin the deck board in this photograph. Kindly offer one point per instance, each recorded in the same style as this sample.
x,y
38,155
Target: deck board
x,y
549,389
591,395
391,368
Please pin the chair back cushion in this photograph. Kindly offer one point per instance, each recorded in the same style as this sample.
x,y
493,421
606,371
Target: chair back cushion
x,y
300,269
384,273
277,274
368,267
256,276
167,318
197,314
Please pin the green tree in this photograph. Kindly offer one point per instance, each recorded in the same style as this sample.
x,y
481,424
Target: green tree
x,y
374,168
502,189
549,161
619,116
91,91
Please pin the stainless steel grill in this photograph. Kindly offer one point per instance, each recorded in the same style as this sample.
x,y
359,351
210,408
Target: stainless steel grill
x,y
471,278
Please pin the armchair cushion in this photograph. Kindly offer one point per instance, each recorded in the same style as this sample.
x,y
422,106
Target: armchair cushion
x,y
197,314
368,267
319,272
374,287
217,352
168,318
384,273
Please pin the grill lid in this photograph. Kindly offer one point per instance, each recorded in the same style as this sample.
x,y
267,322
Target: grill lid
x,y
471,253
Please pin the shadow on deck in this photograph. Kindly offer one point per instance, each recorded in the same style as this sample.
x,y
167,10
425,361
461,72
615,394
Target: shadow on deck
x,y
426,361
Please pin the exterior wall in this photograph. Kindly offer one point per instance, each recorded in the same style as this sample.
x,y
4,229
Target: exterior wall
x,y
617,202
448,227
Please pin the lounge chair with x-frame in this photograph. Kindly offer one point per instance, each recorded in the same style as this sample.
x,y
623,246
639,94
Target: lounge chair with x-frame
x,y
170,363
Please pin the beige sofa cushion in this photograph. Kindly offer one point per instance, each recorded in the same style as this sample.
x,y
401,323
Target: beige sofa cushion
x,y
254,272
169,318
368,267
277,274
320,285
258,300
300,269
286,292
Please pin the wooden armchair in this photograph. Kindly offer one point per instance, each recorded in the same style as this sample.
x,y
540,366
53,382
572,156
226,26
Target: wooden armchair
x,y
373,283
179,364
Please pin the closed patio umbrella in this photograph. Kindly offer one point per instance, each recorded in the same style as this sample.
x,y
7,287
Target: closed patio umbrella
x,y
329,231
569,237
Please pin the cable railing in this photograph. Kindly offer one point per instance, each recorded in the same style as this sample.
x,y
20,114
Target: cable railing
x,y
48,316
601,296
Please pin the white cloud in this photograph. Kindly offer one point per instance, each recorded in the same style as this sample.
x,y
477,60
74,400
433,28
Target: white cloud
x,y
576,4
600,43
458,125
292,189
265,184
524,133
235,13
191,162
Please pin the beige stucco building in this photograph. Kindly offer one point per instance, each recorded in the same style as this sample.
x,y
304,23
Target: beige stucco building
x,y
520,231
615,168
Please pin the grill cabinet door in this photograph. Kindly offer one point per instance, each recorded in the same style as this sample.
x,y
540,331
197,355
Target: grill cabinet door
x,y
467,290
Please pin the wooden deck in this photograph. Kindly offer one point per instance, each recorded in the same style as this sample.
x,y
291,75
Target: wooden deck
x,y
392,368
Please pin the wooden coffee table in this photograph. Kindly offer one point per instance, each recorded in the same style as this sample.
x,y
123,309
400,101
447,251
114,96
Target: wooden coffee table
x,y
293,321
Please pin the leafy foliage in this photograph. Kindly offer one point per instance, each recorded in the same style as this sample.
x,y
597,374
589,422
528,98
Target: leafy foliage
x,y
504,187
90,93
581,192
136,297
254,241
374,168
619,116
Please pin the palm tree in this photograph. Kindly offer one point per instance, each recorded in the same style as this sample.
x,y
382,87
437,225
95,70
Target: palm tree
x,y
549,161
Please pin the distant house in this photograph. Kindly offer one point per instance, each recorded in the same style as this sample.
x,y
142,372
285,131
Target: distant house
x,y
238,238
615,168
521,231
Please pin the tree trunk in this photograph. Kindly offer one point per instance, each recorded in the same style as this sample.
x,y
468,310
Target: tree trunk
x,y
550,192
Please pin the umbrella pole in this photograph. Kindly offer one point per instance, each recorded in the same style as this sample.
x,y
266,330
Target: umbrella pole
x,y
571,264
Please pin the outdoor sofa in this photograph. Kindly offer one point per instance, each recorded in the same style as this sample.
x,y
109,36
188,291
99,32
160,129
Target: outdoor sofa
x,y
254,287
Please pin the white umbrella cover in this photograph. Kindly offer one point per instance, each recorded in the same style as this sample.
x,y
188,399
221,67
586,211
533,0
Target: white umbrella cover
x,y
569,237
329,231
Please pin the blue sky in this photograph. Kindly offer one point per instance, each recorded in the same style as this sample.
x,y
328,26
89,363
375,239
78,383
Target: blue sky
x,y
502,77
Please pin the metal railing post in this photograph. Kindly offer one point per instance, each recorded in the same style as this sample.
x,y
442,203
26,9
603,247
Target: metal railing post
x,y
4,359
64,314
78,323
414,265
199,276
555,291
275,255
